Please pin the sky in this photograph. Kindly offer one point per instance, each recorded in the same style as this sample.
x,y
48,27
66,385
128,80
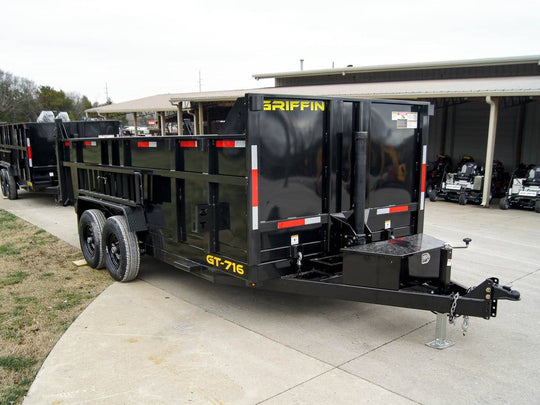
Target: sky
x,y
133,49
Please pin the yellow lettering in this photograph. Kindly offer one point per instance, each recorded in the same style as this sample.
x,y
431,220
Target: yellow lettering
x,y
226,265
291,105
319,106
278,105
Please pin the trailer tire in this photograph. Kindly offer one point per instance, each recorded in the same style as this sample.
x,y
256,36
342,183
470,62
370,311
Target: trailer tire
x,y
462,200
433,195
9,185
121,246
503,203
537,207
3,182
90,237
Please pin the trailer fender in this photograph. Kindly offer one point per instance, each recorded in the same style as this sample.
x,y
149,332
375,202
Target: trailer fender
x,y
135,218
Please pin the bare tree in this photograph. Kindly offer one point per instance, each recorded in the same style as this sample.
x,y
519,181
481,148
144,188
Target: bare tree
x,y
18,98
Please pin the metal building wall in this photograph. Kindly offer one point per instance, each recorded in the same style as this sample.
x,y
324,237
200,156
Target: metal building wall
x,y
463,129
531,134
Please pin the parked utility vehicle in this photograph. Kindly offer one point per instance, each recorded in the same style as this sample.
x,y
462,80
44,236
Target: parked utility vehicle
x,y
524,191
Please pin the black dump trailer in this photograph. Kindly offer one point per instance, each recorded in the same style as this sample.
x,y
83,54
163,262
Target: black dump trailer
x,y
28,152
317,196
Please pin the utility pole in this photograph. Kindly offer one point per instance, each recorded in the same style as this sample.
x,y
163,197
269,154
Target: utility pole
x,y
106,93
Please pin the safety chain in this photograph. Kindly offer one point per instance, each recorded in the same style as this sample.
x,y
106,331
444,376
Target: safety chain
x,y
452,315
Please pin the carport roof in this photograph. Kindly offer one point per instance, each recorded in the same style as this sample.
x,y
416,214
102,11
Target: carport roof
x,y
478,87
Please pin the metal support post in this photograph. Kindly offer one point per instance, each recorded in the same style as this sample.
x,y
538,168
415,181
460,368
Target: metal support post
x,y
162,123
179,118
440,341
135,124
492,132
201,120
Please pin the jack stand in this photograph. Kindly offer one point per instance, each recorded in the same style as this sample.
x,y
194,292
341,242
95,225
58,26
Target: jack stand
x,y
440,341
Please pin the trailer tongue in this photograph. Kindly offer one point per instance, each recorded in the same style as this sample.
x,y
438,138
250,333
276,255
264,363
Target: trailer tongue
x,y
318,196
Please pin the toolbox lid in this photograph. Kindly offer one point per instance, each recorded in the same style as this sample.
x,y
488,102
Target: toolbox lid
x,y
399,247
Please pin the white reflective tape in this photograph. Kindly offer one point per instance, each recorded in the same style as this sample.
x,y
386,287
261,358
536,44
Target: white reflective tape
x,y
255,218
312,220
422,200
29,149
382,211
239,144
449,263
152,144
424,154
254,165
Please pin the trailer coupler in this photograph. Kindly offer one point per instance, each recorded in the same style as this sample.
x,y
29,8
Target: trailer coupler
x,y
491,291
488,291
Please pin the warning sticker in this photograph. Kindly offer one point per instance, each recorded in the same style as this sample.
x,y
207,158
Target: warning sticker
x,y
405,119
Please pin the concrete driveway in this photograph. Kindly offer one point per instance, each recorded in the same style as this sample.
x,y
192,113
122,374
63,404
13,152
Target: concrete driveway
x,y
170,337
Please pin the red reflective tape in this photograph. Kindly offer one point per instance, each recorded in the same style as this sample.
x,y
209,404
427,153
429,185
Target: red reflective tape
x,y
89,143
402,208
29,152
143,144
225,144
67,144
254,188
423,181
291,223
188,144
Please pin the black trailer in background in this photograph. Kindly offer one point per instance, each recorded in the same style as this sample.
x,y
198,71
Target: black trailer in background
x,y
28,152
319,196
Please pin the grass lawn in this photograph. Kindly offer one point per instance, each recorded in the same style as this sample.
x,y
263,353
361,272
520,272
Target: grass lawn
x,y
41,294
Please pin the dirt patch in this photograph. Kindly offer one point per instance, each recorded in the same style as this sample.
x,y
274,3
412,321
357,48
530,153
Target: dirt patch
x,y
41,294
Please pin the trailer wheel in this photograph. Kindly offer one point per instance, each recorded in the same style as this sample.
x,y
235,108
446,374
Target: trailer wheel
x,y
90,237
9,185
122,256
537,206
433,195
504,204
462,199
3,182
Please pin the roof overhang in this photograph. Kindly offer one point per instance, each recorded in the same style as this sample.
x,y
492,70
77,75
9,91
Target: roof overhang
x,y
156,103
495,87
